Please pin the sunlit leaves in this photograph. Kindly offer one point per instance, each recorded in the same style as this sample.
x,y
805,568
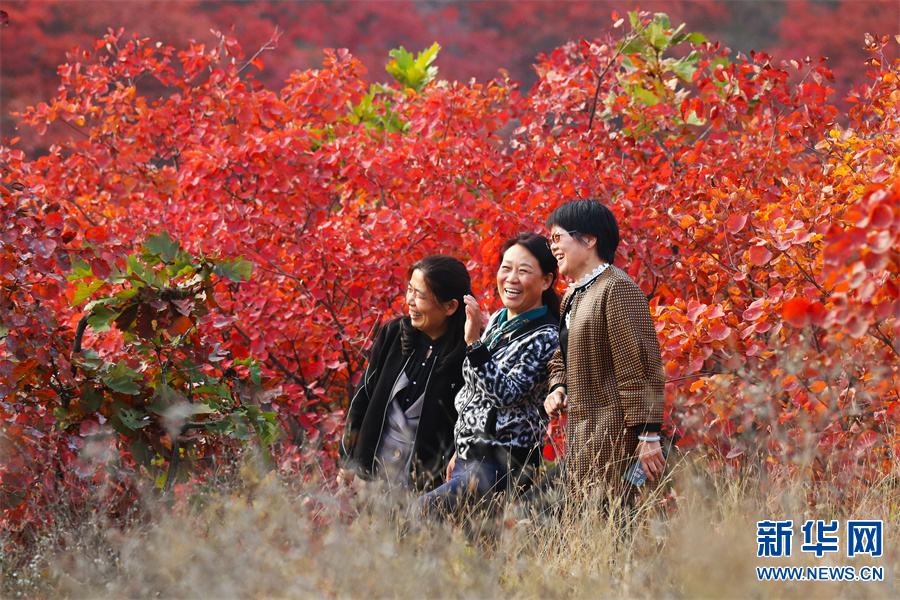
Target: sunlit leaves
x,y
413,72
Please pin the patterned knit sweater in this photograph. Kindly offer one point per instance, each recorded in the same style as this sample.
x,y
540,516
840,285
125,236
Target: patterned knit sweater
x,y
501,403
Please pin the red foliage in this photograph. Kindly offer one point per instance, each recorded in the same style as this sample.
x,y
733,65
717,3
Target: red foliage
x,y
764,232
479,37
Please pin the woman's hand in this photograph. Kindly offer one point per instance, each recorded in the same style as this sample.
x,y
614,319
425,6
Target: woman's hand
x,y
474,319
555,404
450,466
651,457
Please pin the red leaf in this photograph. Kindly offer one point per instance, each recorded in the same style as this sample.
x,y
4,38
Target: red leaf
x,y
100,268
753,313
759,255
795,312
53,221
549,452
673,369
720,332
880,176
881,217
857,326
48,290
95,235
735,452
817,314
694,309
735,223
866,441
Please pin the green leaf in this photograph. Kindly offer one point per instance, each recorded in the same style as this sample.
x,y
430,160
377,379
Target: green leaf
x,y
137,269
635,46
255,372
694,119
413,73
85,289
634,19
80,270
659,40
685,67
164,398
162,245
133,418
90,400
100,318
427,56
65,417
241,429
123,379
141,453
697,38
126,293
662,21
223,426
236,271
645,96
183,267
267,428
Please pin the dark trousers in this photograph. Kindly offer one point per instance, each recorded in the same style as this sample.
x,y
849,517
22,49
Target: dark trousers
x,y
471,483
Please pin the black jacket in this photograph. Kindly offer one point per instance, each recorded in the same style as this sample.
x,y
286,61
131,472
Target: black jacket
x,y
366,414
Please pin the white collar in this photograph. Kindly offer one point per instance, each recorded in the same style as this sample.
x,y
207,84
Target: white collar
x,y
590,277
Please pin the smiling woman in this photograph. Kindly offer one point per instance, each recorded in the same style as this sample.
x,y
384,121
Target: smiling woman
x,y
400,420
520,281
500,420
607,374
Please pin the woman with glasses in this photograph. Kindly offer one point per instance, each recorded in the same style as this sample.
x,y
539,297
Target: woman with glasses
x,y
501,422
400,420
607,374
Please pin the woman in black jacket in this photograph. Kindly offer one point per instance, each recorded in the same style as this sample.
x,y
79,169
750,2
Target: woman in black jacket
x,y
501,419
400,420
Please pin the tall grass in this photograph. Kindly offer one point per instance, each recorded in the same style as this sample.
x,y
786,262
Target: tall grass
x,y
271,537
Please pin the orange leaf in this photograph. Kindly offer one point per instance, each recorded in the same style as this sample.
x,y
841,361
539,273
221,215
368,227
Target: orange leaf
x,y
818,387
179,325
673,369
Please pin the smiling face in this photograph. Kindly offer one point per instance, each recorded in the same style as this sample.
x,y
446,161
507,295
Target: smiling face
x,y
520,281
575,258
428,315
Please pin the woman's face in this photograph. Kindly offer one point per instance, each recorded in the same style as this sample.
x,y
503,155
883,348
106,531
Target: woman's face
x,y
572,256
520,281
428,315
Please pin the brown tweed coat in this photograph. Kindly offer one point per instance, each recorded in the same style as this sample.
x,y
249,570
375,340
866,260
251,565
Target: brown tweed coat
x,y
613,379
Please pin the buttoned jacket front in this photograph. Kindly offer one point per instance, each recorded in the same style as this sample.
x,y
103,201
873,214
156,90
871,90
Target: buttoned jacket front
x,y
613,378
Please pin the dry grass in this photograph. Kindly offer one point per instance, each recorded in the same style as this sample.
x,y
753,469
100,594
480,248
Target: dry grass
x,y
268,537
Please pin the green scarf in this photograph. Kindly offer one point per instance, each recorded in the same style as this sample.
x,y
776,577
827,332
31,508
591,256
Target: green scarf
x,y
503,327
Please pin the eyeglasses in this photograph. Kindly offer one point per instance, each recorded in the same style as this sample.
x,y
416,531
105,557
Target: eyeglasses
x,y
554,237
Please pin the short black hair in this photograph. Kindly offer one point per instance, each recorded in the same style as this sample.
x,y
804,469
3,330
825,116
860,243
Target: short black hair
x,y
592,218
